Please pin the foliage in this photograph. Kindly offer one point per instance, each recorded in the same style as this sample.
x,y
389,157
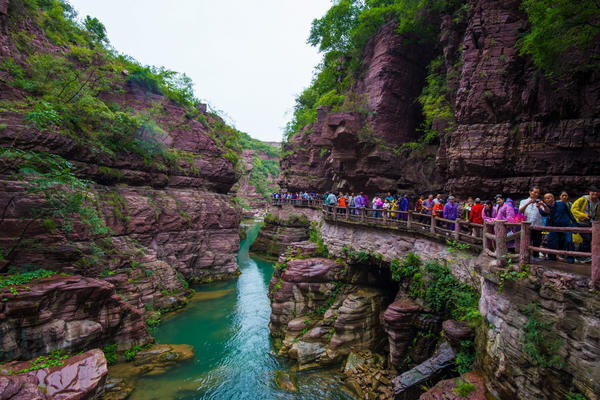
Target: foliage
x,y
96,28
110,353
540,342
24,277
42,116
314,235
463,387
579,27
264,171
342,33
133,350
53,359
52,176
465,357
509,274
576,396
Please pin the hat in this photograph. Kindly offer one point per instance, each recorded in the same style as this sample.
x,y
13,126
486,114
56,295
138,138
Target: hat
x,y
450,197
498,196
477,200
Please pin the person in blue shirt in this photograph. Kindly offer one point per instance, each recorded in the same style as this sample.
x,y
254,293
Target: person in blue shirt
x,y
559,215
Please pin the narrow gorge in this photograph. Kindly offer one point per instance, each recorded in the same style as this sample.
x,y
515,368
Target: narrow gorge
x,y
151,250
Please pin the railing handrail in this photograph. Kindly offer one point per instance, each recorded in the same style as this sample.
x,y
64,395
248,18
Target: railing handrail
x,y
494,235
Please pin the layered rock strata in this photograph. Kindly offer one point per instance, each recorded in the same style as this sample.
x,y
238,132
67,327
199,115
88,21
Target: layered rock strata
x,y
323,310
80,377
277,234
510,127
568,325
72,313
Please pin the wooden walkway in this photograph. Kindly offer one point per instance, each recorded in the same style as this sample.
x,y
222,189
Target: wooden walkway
x,y
494,238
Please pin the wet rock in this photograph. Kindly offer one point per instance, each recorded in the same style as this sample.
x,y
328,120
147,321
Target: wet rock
x,y
81,377
448,389
318,316
286,381
70,313
157,360
21,387
366,375
277,234
407,385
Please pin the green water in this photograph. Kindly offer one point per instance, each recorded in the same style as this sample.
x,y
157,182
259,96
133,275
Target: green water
x,y
227,323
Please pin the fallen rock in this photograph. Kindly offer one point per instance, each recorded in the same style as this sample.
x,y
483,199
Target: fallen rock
x,y
456,332
407,385
470,386
286,381
80,377
156,360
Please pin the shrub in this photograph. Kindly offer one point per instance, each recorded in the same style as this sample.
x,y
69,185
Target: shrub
x,y
42,116
110,353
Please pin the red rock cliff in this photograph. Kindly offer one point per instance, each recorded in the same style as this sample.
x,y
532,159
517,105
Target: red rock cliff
x,y
512,127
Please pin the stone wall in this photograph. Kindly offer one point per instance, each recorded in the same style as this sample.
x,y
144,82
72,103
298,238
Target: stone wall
x,y
392,244
574,314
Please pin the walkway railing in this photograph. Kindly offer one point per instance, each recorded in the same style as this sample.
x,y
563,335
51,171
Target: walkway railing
x,y
298,203
495,238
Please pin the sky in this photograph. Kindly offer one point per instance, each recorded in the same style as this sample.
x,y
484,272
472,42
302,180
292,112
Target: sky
x,y
248,58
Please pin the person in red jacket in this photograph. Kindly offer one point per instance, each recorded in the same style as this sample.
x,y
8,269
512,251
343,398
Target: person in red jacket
x,y
475,215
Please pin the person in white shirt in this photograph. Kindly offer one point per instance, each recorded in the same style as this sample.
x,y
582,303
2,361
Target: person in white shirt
x,y
530,207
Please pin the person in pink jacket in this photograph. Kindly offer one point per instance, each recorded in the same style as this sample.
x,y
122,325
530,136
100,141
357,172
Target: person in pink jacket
x,y
506,212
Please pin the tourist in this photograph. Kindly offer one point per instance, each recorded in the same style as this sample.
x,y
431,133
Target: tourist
x,y
438,199
428,205
559,215
331,201
393,208
475,215
403,206
468,206
488,211
389,197
352,200
419,204
451,211
530,207
342,203
438,209
564,197
585,210
506,212
385,206
359,203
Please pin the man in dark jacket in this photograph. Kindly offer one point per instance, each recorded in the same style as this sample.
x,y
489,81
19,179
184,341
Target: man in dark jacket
x,y
559,215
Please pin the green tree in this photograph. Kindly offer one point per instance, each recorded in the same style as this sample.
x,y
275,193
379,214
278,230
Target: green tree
x,y
558,27
96,28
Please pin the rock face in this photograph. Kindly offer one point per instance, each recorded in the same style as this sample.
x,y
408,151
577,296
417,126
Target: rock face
x,y
358,152
511,126
256,181
323,310
277,234
72,313
570,311
81,377
170,220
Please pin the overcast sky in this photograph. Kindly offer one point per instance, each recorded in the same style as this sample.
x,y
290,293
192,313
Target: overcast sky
x,y
247,58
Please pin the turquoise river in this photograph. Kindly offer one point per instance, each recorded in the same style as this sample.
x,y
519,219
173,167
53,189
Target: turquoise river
x,y
227,323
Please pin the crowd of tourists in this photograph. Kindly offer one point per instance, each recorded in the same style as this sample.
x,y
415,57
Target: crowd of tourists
x,y
540,211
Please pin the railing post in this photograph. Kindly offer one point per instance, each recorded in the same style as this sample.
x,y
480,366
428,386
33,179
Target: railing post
x,y
385,216
362,215
525,242
595,252
409,220
500,233
335,212
457,229
432,227
347,213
